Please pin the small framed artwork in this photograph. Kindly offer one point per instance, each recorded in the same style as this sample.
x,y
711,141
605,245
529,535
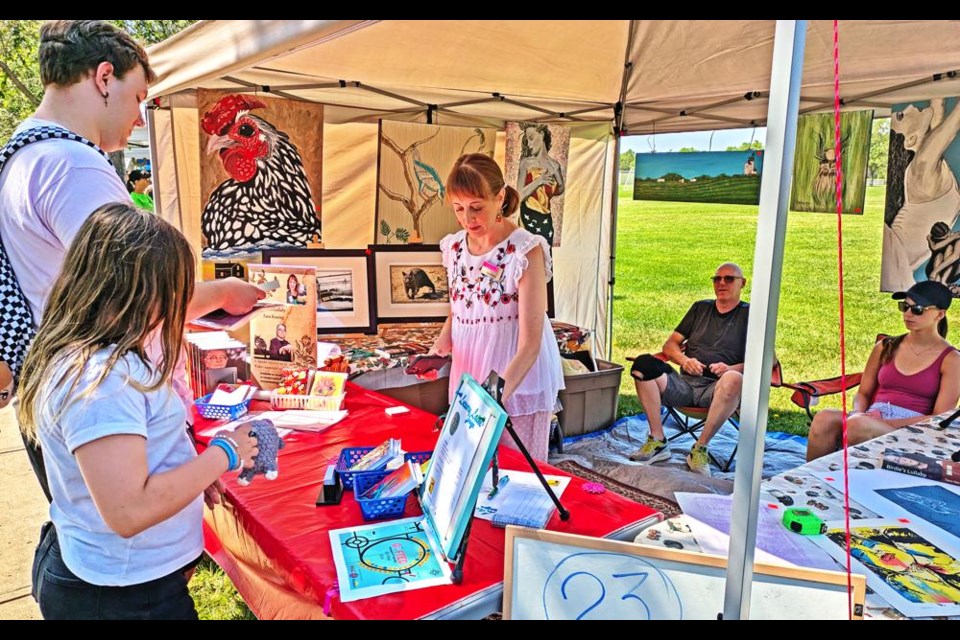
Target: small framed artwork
x,y
344,290
411,283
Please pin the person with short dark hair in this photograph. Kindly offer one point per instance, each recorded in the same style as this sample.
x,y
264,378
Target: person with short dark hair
x,y
137,184
908,378
709,345
95,77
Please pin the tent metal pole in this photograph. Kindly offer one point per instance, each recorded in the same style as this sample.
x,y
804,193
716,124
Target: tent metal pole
x,y
618,115
154,165
782,108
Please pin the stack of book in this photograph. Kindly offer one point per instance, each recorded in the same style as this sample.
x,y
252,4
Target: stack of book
x,y
380,457
213,358
399,482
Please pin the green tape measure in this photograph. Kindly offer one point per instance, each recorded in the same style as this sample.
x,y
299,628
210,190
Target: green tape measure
x,y
803,521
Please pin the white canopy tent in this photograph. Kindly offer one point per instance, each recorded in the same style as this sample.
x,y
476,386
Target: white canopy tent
x,y
602,78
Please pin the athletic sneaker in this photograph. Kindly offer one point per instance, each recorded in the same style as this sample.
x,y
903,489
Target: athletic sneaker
x,y
698,461
653,450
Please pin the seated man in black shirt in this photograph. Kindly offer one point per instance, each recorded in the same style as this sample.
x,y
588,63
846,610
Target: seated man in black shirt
x,y
709,345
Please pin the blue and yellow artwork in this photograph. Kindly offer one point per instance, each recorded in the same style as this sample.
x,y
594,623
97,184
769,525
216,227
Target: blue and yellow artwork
x,y
728,177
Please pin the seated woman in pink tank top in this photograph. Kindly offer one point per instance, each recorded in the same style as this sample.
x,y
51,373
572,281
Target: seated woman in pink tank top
x,y
908,378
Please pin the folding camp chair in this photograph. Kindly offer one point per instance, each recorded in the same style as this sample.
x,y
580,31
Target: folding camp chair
x,y
690,420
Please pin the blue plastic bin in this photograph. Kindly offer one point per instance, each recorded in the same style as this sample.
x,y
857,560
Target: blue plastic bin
x,y
220,411
349,456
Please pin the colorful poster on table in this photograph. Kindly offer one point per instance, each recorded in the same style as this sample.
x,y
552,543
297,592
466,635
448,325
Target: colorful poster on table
x,y
815,162
260,173
911,566
920,219
536,166
283,337
386,557
727,177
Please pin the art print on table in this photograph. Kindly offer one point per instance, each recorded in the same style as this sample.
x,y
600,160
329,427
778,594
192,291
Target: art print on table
x,y
910,566
386,557
344,293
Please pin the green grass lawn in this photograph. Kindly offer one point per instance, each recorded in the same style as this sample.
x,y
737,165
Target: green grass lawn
x,y
667,251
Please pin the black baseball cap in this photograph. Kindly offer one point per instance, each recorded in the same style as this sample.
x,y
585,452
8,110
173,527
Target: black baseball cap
x,y
927,293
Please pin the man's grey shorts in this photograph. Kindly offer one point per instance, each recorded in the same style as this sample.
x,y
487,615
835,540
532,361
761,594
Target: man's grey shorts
x,y
688,391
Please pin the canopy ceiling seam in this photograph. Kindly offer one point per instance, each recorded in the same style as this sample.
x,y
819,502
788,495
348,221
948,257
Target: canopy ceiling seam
x,y
946,75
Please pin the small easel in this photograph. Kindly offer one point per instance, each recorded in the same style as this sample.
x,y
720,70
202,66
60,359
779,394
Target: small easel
x,y
494,386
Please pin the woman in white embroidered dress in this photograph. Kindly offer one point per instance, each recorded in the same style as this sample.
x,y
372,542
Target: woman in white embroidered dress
x,y
497,275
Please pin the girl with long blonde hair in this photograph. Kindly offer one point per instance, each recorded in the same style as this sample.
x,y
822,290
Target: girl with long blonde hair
x,y
126,481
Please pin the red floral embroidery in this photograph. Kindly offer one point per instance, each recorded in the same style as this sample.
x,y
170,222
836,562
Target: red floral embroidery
x,y
510,247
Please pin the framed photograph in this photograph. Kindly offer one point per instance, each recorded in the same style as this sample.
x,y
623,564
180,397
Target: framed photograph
x,y
344,291
411,283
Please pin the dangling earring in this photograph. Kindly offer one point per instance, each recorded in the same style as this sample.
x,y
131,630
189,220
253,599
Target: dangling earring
x,y
499,217
106,94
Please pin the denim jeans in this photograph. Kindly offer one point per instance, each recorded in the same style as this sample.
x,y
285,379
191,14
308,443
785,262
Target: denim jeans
x,y
63,596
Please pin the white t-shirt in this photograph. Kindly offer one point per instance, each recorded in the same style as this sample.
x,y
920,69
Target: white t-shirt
x,y
90,548
47,190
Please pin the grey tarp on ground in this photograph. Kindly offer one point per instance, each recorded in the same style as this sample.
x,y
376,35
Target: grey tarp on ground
x,y
607,452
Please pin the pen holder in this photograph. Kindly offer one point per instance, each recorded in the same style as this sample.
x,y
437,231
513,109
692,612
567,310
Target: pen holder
x,y
349,456
377,508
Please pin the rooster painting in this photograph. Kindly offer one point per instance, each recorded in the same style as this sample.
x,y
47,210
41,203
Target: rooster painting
x,y
266,199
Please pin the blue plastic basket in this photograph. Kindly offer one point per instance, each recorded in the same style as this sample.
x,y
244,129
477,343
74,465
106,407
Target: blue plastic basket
x,y
377,508
220,411
349,456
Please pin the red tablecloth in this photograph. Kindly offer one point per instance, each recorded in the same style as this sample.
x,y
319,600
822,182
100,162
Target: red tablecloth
x,y
272,540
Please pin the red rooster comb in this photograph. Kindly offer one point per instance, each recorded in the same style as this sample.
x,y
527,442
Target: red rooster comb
x,y
225,111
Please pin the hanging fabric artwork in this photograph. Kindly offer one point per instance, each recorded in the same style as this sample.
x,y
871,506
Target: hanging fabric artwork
x,y
536,166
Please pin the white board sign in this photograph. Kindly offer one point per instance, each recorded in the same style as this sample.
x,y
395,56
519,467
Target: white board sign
x,y
573,577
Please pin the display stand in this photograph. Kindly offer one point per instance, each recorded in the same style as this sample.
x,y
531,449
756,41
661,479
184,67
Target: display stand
x,y
494,386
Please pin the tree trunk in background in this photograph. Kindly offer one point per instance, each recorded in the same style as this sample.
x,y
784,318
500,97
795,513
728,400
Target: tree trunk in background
x,y
116,157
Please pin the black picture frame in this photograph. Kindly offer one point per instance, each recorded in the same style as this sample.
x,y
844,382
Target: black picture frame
x,y
392,301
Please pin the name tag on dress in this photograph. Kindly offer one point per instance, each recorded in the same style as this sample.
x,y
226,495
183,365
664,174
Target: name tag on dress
x,y
491,270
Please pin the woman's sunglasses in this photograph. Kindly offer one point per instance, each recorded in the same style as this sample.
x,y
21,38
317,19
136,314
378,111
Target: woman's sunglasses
x,y
726,279
915,309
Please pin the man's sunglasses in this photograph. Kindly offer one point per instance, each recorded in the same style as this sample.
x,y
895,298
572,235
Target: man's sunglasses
x,y
915,309
726,279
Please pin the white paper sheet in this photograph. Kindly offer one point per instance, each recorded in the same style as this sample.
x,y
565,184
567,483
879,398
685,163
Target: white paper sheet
x,y
487,507
299,420
709,518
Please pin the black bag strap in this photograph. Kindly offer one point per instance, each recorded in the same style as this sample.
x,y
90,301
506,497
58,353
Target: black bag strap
x,y
44,132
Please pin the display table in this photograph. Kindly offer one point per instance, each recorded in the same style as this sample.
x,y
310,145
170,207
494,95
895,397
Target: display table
x,y
395,344
272,540
801,488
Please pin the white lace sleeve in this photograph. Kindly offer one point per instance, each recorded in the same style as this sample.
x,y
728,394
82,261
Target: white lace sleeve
x,y
445,249
524,247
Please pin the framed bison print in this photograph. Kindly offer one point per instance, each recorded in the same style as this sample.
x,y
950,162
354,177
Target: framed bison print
x,y
260,173
344,292
411,283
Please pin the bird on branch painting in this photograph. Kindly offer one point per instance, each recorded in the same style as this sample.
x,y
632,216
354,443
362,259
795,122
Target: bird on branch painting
x,y
424,184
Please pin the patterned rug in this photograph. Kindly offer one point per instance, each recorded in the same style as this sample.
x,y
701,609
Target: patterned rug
x,y
668,508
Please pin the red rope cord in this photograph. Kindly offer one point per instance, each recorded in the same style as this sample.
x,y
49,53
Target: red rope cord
x,y
843,347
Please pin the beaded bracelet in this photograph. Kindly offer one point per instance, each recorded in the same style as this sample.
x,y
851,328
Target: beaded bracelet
x,y
233,459
236,447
